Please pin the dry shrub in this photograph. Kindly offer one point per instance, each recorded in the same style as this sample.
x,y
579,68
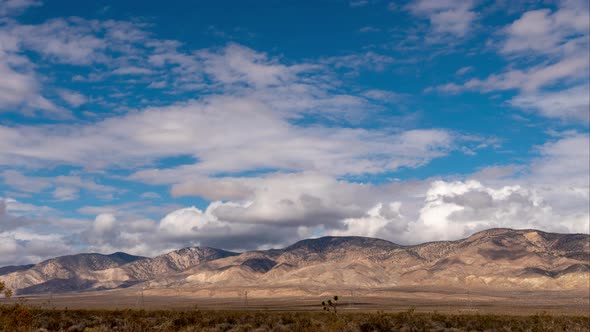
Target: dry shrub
x,y
22,318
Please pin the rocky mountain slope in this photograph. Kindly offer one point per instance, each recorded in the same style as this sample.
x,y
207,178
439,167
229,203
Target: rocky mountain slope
x,y
496,258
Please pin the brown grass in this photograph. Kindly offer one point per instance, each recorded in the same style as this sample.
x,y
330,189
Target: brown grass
x,y
20,317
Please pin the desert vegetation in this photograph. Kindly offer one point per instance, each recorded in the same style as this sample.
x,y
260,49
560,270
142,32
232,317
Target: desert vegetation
x,y
20,317
331,305
5,290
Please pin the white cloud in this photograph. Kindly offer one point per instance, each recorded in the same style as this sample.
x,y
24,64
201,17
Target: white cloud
x,y
528,80
73,98
65,187
21,239
26,248
225,135
358,3
296,200
238,64
446,16
551,194
543,31
457,209
132,71
563,162
150,195
549,53
369,28
381,221
569,104
20,91
13,7
65,193
361,61
464,70
248,118
71,42
103,223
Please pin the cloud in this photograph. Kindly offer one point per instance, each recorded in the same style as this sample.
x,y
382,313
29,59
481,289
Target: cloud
x,y
21,91
571,104
445,16
445,211
238,64
150,195
132,71
65,193
358,3
21,237
33,249
295,200
273,144
77,41
63,41
369,28
550,193
360,62
457,209
464,70
381,221
563,162
73,98
549,65
543,31
64,187
527,80
224,135
8,221
180,228
15,7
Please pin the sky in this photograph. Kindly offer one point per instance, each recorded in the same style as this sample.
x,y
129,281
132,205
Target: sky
x,y
144,127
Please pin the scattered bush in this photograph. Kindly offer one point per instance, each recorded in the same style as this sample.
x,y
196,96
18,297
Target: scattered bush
x,y
22,318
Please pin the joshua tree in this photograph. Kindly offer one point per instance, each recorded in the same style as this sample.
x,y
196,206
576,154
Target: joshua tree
x,y
331,305
7,291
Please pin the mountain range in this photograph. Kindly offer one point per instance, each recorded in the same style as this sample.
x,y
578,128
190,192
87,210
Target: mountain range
x,y
495,258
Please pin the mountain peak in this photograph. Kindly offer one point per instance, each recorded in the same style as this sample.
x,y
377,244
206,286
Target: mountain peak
x,y
327,243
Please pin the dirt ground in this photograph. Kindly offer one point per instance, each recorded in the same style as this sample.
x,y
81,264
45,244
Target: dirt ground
x,y
515,302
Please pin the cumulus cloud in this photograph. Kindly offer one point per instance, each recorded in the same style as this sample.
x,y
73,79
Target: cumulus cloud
x,y
446,211
549,194
454,210
457,209
381,221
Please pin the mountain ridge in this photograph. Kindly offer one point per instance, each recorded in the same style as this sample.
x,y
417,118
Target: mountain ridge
x,y
501,257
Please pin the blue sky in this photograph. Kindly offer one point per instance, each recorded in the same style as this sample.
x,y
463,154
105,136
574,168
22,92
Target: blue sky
x,y
140,127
